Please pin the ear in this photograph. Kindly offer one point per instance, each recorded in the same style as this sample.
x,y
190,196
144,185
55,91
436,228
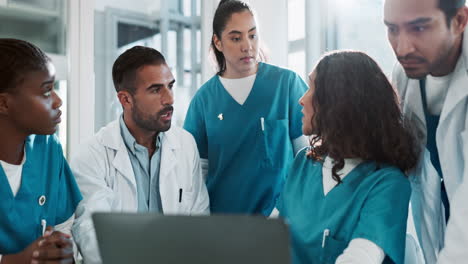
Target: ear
x,y
217,43
125,99
3,103
460,20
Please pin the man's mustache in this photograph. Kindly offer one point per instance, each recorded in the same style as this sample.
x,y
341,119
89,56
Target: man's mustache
x,y
411,58
166,109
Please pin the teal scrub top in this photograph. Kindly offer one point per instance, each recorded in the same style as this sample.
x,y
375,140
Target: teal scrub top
x,y
45,173
248,161
371,203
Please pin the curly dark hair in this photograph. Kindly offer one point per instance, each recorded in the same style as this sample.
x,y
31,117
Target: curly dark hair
x,y
357,114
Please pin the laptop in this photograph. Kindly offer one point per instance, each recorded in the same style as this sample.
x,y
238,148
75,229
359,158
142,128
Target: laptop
x,y
155,238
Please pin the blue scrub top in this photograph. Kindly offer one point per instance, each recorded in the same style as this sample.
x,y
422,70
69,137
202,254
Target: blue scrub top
x,y
45,172
371,203
247,164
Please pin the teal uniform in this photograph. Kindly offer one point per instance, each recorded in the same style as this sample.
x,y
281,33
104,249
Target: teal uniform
x,y
45,174
371,203
248,158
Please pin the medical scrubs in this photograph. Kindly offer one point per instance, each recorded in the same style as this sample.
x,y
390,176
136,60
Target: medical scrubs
x,y
248,146
48,192
371,203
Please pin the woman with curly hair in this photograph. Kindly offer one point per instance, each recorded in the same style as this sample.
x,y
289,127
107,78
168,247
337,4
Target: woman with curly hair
x,y
346,197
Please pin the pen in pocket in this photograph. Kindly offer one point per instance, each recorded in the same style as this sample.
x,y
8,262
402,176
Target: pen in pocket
x,y
44,225
262,123
180,195
326,233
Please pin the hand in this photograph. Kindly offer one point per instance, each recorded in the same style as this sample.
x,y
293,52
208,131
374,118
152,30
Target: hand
x,y
54,247
23,257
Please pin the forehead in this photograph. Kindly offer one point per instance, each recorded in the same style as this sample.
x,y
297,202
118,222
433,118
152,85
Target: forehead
x,y
241,21
154,74
404,11
32,80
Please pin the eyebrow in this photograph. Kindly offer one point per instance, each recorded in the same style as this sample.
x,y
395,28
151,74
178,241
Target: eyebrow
x,y
421,20
158,85
417,21
51,81
238,32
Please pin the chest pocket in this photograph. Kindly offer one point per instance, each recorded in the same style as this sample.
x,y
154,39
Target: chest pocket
x,y
186,201
332,248
275,143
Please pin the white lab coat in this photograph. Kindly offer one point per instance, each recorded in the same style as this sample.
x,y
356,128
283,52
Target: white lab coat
x,y
105,176
452,144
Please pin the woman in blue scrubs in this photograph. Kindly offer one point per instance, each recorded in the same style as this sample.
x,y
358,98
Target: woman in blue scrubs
x,y
346,197
37,189
245,119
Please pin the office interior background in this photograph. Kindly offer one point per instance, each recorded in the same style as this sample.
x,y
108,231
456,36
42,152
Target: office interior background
x,y
84,37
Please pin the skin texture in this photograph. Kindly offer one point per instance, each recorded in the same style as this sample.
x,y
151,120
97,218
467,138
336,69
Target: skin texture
x,y
307,109
54,247
422,40
239,44
32,107
149,110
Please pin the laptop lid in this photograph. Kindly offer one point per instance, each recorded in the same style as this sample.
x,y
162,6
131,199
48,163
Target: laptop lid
x,y
155,238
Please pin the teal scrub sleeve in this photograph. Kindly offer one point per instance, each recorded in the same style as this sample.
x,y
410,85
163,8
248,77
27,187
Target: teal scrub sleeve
x,y
297,89
384,215
69,193
195,124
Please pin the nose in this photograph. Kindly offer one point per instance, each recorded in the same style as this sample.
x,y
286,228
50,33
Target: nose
x,y
301,100
57,102
404,46
168,97
246,45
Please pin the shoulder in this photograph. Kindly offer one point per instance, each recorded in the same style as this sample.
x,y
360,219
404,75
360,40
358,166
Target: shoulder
x,y
207,87
181,137
390,177
179,133
302,164
274,70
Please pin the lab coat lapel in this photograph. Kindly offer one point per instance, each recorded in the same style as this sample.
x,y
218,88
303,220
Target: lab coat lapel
x,y
458,89
123,165
168,155
121,161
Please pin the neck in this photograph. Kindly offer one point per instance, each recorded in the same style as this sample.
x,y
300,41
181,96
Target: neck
x,y
11,143
450,62
231,74
142,136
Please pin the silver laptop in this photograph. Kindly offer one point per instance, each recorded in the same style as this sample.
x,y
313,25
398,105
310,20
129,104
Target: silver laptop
x,y
155,238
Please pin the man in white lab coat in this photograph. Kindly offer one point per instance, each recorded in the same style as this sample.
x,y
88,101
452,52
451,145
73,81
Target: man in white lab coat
x,y
428,38
138,163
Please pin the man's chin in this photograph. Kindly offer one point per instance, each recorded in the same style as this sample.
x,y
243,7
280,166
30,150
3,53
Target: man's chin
x,y
415,73
165,127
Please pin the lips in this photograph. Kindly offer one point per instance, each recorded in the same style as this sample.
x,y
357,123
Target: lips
x,y
247,59
410,61
167,116
58,118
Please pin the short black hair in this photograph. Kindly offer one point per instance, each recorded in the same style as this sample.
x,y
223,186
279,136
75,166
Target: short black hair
x,y
18,57
450,8
126,65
